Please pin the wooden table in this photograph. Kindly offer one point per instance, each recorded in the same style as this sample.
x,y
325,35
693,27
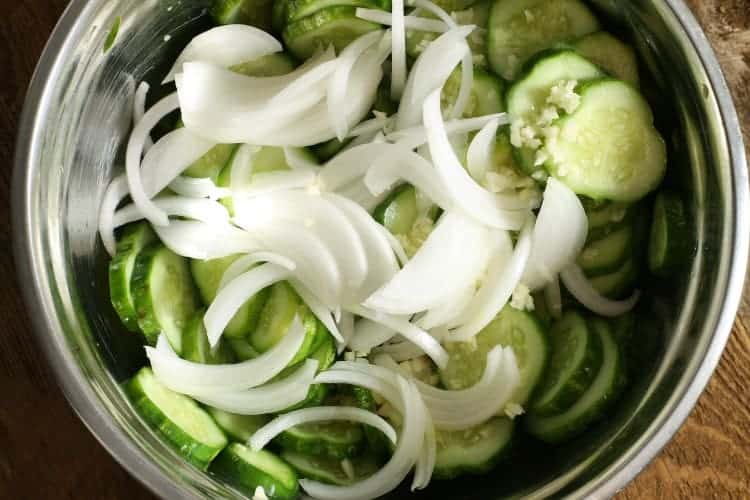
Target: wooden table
x,y
45,451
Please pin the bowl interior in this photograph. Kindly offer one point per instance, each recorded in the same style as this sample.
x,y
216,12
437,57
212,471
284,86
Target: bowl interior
x,y
79,127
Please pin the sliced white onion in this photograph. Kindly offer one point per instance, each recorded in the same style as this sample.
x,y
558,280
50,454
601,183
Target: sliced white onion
x,y
242,167
270,182
247,262
459,410
133,159
230,298
503,276
430,72
369,334
350,165
553,297
396,246
379,380
193,187
453,257
346,327
139,109
197,378
410,22
582,289
382,264
400,351
390,476
501,212
414,137
559,235
359,194
451,309
318,309
428,456
398,54
479,157
313,81
339,81
200,209
268,398
226,46
299,159
317,267
116,191
411,332
265,434
203,241
371,126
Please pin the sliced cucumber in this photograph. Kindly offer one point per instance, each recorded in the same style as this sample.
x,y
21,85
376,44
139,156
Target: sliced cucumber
x,y
276,317
210,164
133,240
183,423
315,397
247,470
605,218
207,275
486,96
298,9
518,29
593,403
335,439
271,65
617,58
473,451
195,346
517,329
238,427
619,283
575,361
608,148
670,246
331,470
242,349
337,26
607,254
325,353
164,295
399,211
252,12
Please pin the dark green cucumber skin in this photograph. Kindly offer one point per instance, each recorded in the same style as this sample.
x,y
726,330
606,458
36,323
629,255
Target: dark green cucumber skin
x,y
246,478
253,12
147,320
479,469
197,454
578,425
605,264
132,242
579,381
195,346
328,470
679,248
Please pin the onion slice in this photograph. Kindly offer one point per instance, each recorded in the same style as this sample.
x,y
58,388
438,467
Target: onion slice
x,y
198,378
398,47
268,398
559,235
247,262
369,334
226,46
200,209
139,109
230,298
198,188
203,241
265,434
411,332
318,309
582,289
553,297
479,157
410,22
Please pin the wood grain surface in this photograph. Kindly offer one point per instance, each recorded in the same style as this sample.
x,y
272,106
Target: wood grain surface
x,y
46,453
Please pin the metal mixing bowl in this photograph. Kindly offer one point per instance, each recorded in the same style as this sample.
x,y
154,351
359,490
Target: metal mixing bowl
x,y
77,116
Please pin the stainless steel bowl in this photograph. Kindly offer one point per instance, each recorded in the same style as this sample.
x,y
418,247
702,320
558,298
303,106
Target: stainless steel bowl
x,y
75,121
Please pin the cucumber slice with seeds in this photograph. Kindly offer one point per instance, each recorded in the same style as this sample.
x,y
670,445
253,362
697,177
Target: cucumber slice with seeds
x,y
619,283
247,470
518,29
133,240
617,58
517,329
207,275
399,211
607,254
486,96
195,346
276,317
608,148
298,9
330,470
252,12
164,295
332,439
600,395
337,26
574,362
238,427
670,245
183,423
473,451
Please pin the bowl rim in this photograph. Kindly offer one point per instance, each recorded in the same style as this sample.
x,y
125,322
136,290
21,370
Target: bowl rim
x,y
101,424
